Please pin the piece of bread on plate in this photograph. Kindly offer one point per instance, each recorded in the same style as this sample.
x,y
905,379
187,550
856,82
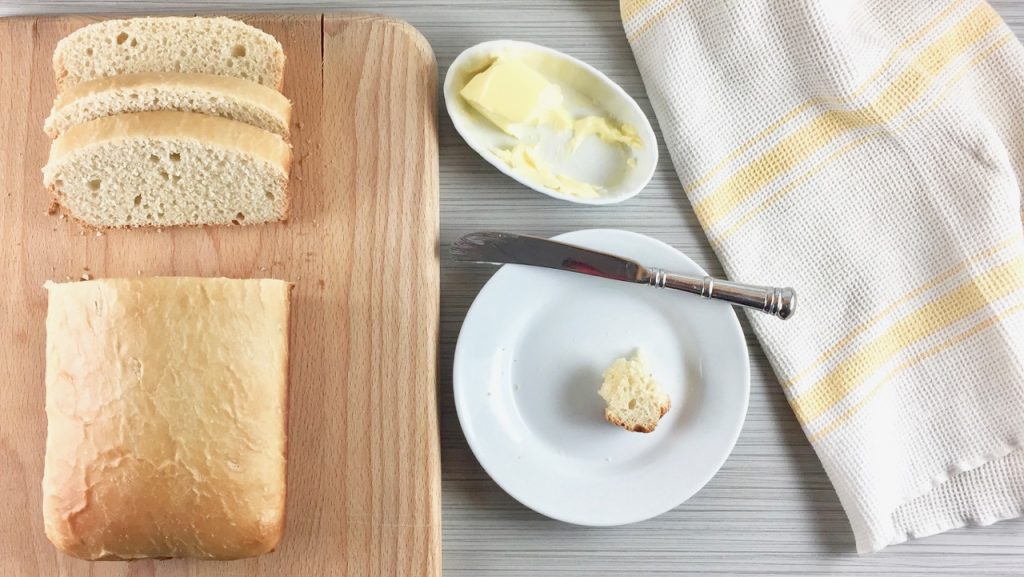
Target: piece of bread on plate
x,y
169,168
223,96
634,400
169,44
166,405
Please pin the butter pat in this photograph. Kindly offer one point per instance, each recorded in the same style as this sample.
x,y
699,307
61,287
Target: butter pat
x,y
512,95
526,161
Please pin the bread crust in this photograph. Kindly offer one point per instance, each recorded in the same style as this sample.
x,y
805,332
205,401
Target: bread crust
x,y
152,451
170,124
646,427
227,87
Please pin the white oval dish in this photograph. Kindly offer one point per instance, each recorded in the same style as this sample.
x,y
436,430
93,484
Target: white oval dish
x,y
577,78
528,365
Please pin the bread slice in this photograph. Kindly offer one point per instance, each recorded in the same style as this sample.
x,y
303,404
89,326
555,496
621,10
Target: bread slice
x,y
169,44
634,400
166,406
223,96
169,168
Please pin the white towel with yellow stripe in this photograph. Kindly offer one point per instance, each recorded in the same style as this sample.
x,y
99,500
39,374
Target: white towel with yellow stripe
x,y
869,154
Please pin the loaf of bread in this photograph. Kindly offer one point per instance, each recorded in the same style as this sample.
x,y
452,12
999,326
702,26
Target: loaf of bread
x,y
166,402
169,44
634,400
169,168
223,96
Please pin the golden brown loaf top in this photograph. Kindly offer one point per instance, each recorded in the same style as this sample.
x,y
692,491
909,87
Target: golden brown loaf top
x,y
166,401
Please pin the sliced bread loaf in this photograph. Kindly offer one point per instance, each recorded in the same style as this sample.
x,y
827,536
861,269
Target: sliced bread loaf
x,y
169,44
634,400
223,96
169,168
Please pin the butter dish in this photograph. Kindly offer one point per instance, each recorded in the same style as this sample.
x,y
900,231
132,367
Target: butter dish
x,y
551,122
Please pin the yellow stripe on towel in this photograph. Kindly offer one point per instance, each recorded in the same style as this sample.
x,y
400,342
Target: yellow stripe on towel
x,y
718,238
630,8
914,360
657,17
803,143
933,317
848,100
884,313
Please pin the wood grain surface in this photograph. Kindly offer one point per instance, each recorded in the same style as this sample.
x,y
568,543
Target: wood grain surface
x,y
771,509
361,247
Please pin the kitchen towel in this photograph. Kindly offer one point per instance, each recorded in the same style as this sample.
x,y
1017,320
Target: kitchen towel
x,y
867,153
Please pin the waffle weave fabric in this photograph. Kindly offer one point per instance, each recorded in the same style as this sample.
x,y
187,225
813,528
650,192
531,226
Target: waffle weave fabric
x,y
868,154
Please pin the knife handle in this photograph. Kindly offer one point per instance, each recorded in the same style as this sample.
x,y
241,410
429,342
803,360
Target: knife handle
x,y
780,302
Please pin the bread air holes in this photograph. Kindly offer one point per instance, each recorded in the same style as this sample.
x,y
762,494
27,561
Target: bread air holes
x,y
632,403
238,218
94,184
175,157
88,51
164,175
238,51
121,38
154,158
137,200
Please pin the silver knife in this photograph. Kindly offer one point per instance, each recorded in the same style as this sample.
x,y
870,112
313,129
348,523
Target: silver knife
x,y
508,248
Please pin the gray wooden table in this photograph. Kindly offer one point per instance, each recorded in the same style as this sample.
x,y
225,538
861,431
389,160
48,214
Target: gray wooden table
x,y
771,509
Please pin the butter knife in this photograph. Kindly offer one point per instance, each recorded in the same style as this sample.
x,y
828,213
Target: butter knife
x,y
508,248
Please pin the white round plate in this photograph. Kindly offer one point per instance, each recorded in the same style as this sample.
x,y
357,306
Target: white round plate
x,y
528,365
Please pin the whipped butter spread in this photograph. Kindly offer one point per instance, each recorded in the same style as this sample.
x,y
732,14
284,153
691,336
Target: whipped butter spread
x,y
605,130
521,102
525,160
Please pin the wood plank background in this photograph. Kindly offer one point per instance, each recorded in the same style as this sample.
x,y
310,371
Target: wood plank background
x,y
361,248
771,510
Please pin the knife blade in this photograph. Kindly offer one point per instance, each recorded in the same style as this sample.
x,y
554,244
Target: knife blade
x,y
508,248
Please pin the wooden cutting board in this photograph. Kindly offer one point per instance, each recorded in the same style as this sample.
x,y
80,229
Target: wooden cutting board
x,y
362,249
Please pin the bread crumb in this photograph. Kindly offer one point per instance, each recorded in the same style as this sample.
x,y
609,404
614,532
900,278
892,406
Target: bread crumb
x,y
53,208
85,276
99,233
